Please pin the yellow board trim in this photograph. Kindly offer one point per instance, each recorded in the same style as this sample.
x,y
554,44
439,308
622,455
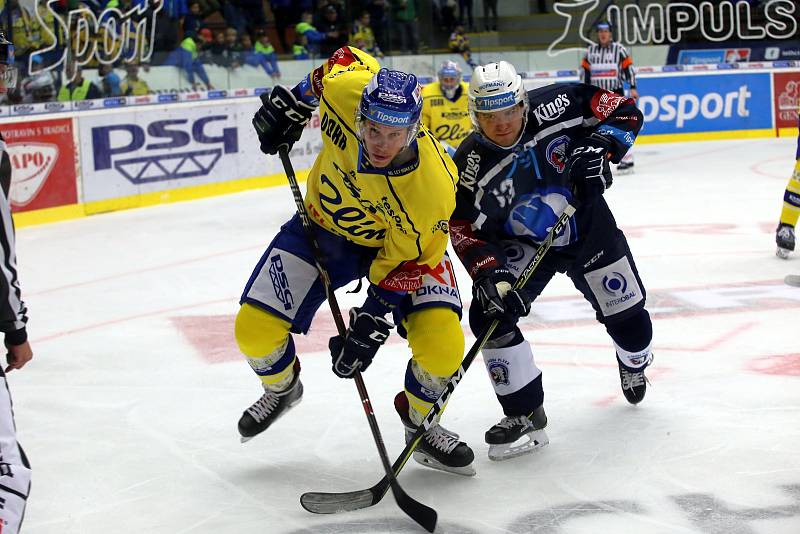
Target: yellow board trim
x,y
704,136
75,211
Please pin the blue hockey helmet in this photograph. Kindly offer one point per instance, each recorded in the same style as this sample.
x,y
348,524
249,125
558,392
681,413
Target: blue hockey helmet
x,y
449,71
391,98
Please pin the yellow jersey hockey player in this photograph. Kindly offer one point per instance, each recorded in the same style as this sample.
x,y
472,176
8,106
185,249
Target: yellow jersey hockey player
x,y
381,193
784,235
444,107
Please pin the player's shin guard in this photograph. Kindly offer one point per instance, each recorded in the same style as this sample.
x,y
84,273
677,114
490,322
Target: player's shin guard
x,y
439,448
632,338
265,341
517,383
437,344
784,238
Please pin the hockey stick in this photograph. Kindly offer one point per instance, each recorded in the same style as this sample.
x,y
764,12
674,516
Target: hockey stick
x,y
331,503
424,515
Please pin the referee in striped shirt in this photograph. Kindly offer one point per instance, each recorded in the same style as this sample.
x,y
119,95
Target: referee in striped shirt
x,y
607,65
15,471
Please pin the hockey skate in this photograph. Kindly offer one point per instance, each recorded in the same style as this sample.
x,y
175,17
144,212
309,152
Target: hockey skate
x,y
634,385
505,439
439,448
784,237
270,407
625,167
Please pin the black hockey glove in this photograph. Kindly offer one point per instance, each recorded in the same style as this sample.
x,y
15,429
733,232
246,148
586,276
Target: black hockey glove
x,y
281,119
365,336
497,300
588,167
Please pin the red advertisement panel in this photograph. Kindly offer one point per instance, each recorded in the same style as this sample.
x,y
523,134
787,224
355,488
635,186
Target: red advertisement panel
x,y
42,163
787,99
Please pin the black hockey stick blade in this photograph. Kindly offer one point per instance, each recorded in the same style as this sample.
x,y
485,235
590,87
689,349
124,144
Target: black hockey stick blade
x,y
334,503
318,502
425,516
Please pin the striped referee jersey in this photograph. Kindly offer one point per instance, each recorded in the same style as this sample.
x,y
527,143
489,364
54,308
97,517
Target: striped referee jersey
x,y
607,67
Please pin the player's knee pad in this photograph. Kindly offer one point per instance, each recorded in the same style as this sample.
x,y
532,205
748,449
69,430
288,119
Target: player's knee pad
x,y
504,335
436,340
633,337
264,338
515,377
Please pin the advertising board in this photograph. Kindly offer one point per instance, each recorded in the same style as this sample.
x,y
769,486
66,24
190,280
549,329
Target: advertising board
x,y
43,162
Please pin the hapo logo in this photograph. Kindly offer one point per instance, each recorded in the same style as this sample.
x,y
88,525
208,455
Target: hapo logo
x,y
156,149
682,108
32,164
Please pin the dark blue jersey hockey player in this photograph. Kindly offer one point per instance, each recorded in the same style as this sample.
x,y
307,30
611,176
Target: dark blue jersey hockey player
x,y
530,154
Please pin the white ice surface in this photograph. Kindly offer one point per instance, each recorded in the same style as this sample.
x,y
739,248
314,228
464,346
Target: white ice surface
x,y
131,426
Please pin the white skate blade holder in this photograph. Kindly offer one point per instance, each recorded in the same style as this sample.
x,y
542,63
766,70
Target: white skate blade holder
x,y
527,443
427,461
782,253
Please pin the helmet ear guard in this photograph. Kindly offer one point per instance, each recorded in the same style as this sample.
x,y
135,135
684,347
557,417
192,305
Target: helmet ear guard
x,y
496,87
391,98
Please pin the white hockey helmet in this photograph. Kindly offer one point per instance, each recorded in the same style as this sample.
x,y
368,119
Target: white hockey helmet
x,y
495,87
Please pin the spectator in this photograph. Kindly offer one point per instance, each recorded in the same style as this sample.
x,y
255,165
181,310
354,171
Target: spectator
x,y
362,36
406,21
133,85
465,8
79,88
445,11
192,22
234,53
264,55
39,87
216,50
167,26
281,12
334,30
206,42
379,21
208,7
299,50
27,33
313,37
245,14
459,43
490,6
185,57
108,80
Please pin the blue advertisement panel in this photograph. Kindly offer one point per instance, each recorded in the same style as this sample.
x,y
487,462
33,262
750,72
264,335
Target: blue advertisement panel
x,y
705,103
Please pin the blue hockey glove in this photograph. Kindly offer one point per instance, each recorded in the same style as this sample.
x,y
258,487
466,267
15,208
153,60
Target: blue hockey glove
x,y
281,119
588,167
498,301
364,337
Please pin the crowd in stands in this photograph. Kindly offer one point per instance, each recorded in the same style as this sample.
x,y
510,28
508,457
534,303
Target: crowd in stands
x,y
192,34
